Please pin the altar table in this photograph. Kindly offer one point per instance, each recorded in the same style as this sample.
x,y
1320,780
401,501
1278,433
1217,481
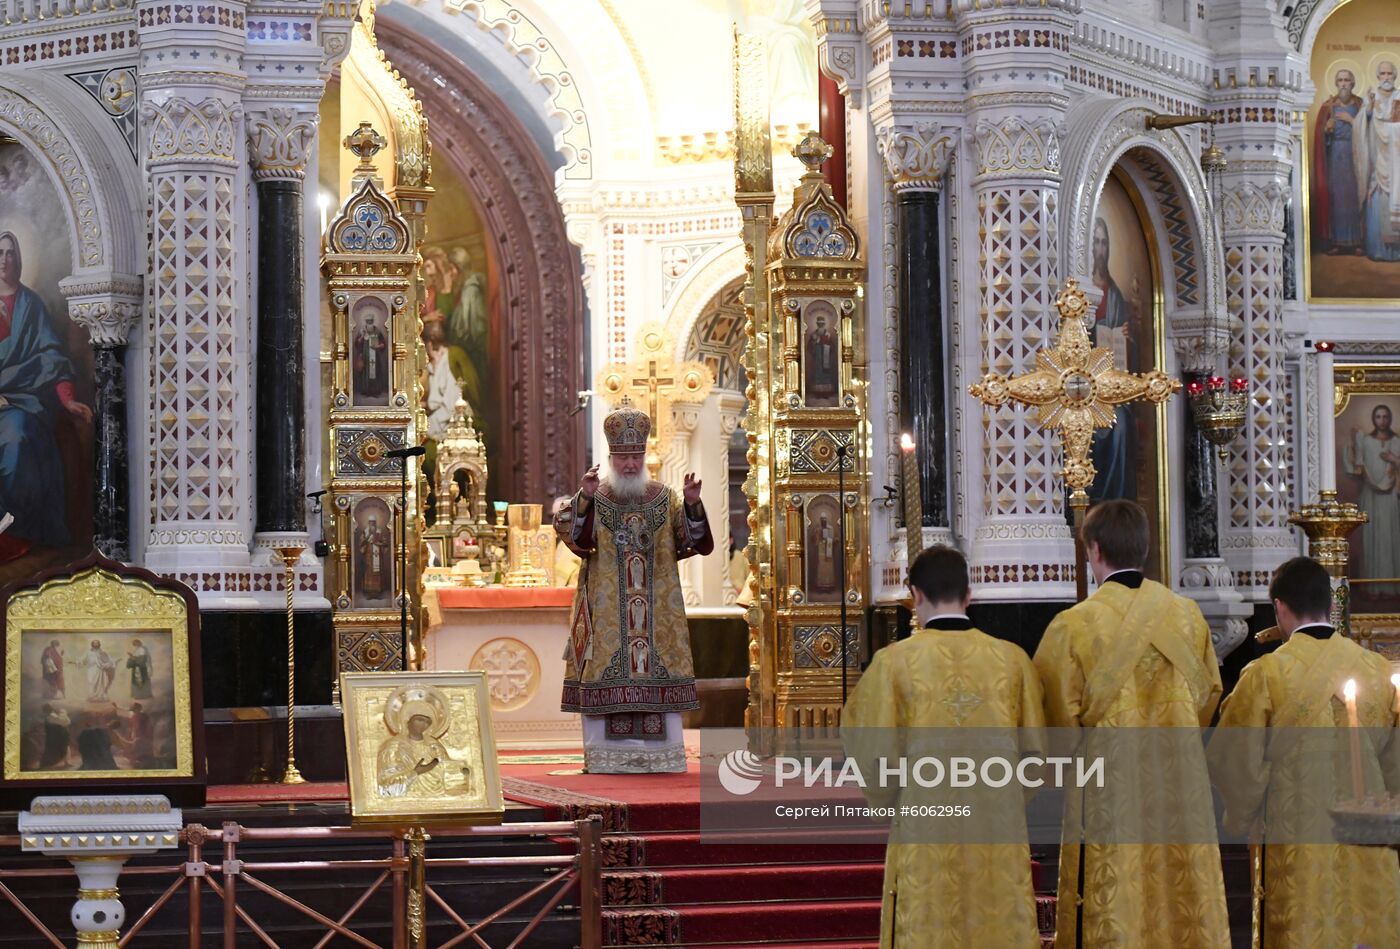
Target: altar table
x,y
517,635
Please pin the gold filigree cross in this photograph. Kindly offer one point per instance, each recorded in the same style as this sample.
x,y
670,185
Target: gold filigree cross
x,y
656,380
1076,387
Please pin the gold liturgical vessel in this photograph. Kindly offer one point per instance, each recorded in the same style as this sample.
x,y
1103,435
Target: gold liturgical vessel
x,y
523,521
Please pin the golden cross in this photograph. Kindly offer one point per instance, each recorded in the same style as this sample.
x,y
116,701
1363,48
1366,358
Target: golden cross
x,y
1076,386
653,383
656,380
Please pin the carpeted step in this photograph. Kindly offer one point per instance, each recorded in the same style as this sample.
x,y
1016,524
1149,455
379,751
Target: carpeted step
x,y
692,849
784,922
676,887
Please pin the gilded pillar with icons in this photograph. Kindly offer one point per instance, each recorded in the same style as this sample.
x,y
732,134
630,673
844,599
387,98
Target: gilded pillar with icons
x,y
811,435
370,260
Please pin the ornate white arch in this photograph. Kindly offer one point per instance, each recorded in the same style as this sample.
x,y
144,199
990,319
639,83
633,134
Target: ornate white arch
x,y
709,275
569,62
1101,132
1306,20
91,168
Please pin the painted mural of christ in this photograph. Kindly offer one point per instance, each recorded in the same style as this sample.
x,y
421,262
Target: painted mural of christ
x,y
1114,452
36,389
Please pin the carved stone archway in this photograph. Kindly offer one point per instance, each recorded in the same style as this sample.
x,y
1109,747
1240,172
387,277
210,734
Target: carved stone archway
x,y
542,350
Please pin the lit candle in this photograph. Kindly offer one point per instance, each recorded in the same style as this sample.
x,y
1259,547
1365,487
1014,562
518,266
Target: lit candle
x,y
913,499
1358,783
1327,424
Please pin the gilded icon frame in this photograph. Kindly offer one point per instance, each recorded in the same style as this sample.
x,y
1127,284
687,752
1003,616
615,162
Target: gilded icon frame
x,y
379,744
1361,386
109,601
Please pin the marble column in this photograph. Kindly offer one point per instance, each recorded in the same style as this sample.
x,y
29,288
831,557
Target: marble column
x,y
916,155
1257,486
1022,548
279,143
108,308
1205,576
1202,503
1257,535
193,149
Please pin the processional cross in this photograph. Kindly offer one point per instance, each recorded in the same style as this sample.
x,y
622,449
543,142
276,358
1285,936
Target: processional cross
x,y
1076,387
656,380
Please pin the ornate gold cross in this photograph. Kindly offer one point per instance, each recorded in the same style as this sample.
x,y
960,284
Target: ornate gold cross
x,y
1076,386
656,380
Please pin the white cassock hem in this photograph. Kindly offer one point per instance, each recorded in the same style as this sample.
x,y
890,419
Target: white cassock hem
x,y
603,754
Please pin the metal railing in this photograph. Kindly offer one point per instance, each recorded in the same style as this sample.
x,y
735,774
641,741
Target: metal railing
x,y
406,872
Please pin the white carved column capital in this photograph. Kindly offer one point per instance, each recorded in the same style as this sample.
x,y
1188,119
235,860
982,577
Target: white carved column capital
x,y
841,53
1252,205
1018,146
280,138
918,154
106,305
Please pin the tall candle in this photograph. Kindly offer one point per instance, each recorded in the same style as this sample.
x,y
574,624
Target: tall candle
x,y
913,499
1327,423
1358,783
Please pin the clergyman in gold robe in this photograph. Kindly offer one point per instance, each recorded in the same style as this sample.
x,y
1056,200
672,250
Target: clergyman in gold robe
x,y
627,666
1281,759
948,679
1133,666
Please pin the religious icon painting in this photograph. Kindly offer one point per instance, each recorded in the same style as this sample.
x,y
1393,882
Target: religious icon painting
x,y
371,353
99,689
420,748
372,554
462,318
1367,463
46,363
821,355
1125,320
820,552
1353,245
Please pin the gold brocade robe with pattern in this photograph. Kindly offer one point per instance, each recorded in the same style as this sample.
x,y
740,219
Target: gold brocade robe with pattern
x,y
1275,775
629,648
949,895
1123,661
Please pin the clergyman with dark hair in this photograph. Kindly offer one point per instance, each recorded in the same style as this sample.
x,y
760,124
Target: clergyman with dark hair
x,y
1140,850
1280,762
948,676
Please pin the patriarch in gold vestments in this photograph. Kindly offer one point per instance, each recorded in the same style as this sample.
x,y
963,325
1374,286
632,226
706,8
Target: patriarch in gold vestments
x,y
956,882
1281,759
1134,668
627,665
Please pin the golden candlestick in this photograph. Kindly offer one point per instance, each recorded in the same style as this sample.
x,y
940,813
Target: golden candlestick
x,y
417,888
1328,522
524,524
290,556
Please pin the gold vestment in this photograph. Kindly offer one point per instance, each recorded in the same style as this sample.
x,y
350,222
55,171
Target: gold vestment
x,y
1137,659
1280,776
949,895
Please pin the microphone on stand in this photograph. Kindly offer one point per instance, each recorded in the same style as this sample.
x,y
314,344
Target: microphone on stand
x,y
321,548
413,451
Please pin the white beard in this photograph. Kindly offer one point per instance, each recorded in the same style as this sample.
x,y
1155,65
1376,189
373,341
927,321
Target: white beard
x,y
627,488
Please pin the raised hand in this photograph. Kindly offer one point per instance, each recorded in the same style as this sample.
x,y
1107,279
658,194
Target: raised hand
x,y
589,484
691,489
